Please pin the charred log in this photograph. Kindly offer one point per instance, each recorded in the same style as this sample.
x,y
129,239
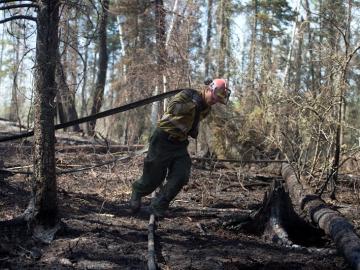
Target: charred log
x,y
315,210
277,221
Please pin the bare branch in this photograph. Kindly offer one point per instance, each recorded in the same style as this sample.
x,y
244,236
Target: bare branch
x,y
31,18
342,33
11,1
354,52
349,59
19,6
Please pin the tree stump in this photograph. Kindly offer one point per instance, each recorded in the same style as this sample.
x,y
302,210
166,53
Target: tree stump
x,y
277,221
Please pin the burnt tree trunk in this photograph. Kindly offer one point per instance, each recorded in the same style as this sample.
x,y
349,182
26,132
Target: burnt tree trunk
x,y
98,96
315,210
277,221
43,207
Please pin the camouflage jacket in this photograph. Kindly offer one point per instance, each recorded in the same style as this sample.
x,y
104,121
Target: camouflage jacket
x,y
183,114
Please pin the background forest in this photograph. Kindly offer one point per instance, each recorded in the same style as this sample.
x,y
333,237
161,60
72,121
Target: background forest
x,y
293,67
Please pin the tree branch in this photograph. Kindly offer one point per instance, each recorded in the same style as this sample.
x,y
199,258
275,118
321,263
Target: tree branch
x,y
31,18
349,59
353,52
11,1
19,6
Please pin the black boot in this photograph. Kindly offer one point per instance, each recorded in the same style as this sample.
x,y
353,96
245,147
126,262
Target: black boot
x,y
135,202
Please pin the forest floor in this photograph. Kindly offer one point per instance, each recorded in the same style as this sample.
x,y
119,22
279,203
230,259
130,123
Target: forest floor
x,y
98,231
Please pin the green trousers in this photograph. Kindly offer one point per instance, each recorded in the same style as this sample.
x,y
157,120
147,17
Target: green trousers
x,y
168,159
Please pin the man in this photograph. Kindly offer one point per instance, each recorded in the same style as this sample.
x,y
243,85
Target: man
x,y
167,155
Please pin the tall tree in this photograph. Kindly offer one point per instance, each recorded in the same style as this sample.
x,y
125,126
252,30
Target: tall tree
x,y
208,38
160,53
310,81
66,70
253,45
14,106
224,29
43,206
338,83
98,95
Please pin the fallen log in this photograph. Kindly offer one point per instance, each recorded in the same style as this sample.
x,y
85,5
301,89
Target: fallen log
x,y
90,148
151,241
151,244
316,211
276,221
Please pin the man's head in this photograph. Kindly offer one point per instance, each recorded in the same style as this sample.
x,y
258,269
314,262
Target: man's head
x,y
217,91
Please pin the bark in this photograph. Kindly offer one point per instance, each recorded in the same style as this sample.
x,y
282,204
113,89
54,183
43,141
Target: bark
x,y
61,117
66,88
310,48
208,38
14,107
98,95
2,49
339,86
83,111
298,62
123,51
253,44
43,207
168,36
71,104
292,42
66,97
161,54
316,211
224,37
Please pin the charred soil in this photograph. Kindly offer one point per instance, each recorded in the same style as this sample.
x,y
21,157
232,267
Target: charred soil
x,y
98,231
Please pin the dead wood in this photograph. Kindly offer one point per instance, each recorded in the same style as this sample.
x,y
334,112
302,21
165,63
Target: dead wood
x,y
89,148
85,148
315,210
277,221
151,244
151,240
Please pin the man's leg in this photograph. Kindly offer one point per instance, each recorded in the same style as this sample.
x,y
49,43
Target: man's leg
x,y
179,173
154,172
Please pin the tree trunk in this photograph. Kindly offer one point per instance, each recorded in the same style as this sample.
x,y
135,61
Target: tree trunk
x,y
67,99
98,95
2,50
123,51
312,84
73,69
253,44
14,107
161,55
83,110
60,114
338,86
292,42
168,36
224,37
43,206
208,38
64,68
298,63
314,209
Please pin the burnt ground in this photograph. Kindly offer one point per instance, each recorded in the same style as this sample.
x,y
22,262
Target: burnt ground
x,y
98,232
